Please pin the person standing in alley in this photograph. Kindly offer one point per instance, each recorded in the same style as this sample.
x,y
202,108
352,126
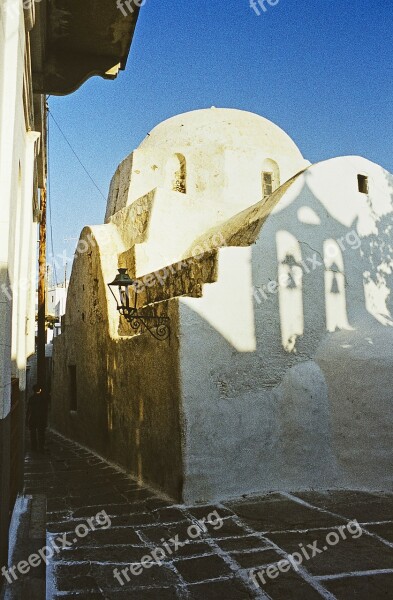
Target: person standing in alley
x,y
36,418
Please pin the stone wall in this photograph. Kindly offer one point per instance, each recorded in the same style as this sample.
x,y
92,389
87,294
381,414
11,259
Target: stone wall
x,y
127,386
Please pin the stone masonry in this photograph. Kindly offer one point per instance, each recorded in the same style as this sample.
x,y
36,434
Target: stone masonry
x,y
244,536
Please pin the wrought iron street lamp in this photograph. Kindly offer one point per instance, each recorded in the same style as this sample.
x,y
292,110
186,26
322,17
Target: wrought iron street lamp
x,y
157,326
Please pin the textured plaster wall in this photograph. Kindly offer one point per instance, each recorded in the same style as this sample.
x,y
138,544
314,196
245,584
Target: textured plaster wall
x,y
319,413
17,230
225,151
17,240
127,387
277,372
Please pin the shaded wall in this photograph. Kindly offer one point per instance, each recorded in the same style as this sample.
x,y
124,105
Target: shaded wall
x,y
128,401
278,371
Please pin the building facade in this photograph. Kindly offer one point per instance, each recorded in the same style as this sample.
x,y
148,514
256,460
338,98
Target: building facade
x,y
276,276
40,53
22,174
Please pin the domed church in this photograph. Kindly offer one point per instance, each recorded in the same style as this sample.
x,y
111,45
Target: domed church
x,y
251,346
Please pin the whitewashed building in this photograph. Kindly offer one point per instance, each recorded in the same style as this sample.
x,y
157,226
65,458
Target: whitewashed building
x,y
277,277
37,57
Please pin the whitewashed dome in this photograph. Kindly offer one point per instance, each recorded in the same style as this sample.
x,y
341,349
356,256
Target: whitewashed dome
x,y
226,127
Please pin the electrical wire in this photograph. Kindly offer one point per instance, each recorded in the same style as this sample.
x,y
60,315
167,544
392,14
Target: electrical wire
x,y
49,202
76,155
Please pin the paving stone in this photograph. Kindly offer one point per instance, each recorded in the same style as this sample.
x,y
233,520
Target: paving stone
x,y
193,549
63,526
384,530
230,589
367,587
134,520
59,515
269,515
34,470
78,486
187,530
57,504
155,576
249,542
155,503
363,506
157,533
248,560
29,539
138,495
205,510
228,528
108,554
146,594
184,531
361,554
84,482
199,569
123,508
168,515
82,596
325,497
109,537
93,577
288,586
98,500
254,498
75,577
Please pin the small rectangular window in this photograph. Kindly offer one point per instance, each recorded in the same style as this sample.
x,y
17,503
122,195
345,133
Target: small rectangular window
x,y
73,397
363,184
267,184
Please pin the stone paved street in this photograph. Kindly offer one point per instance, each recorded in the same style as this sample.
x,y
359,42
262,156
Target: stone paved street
x,y
216,562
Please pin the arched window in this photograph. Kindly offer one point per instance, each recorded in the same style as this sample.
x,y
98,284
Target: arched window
x,y
270,177
176,173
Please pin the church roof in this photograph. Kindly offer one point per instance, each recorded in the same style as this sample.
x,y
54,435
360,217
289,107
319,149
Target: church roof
x,y
226,127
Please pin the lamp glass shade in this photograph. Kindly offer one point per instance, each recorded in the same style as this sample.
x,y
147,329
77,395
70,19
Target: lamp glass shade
x,y
123,282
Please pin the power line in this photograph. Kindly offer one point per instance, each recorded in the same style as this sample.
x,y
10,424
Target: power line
x,y
76,156
49,199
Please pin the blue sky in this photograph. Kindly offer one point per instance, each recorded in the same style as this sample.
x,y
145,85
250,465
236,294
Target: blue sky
x,y
321,69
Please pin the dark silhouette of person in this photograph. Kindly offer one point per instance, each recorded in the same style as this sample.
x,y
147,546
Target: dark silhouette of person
x,y
36,418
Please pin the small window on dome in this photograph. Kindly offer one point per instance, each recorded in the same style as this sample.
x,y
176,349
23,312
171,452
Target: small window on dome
x,y
363,185
267,184
176,173
270,174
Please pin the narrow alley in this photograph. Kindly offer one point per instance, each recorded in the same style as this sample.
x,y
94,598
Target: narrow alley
x,y
113,539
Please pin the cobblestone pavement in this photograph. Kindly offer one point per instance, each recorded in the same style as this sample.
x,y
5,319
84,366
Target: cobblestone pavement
x,y
243,537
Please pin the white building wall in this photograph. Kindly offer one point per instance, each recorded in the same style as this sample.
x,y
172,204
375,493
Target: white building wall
x,y
11,67
288,385
18,233
280,356
56,301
